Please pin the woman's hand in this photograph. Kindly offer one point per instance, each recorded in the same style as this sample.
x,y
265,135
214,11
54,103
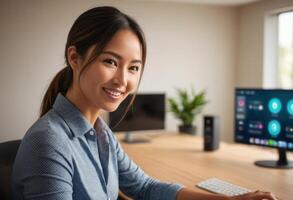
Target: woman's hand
x,y
257,195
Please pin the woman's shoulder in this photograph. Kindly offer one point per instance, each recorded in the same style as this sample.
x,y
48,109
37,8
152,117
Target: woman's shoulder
x,y
44,144
50,129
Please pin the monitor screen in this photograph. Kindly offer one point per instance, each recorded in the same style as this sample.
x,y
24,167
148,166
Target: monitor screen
x,y
146,113
264,117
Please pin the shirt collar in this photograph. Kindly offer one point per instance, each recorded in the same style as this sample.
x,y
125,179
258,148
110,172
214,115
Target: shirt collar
x,y
100,125
76,121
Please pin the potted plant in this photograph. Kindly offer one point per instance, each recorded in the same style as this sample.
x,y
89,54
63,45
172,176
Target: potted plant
x,y
186,107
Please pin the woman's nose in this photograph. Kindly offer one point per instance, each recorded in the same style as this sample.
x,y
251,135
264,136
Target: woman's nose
x,y
121,77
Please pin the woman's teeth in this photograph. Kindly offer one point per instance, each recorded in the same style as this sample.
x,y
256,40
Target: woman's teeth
x,y
112,92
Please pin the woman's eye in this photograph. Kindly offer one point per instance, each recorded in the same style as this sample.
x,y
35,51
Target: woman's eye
x,y
134,68
110,62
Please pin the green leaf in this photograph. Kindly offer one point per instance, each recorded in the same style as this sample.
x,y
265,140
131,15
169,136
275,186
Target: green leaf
x,y
187,105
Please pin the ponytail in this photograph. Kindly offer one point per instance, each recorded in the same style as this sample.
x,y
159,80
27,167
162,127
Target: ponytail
x,y
60,83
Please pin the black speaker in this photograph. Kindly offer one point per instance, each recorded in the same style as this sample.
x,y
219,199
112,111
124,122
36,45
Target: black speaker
x,y
211,133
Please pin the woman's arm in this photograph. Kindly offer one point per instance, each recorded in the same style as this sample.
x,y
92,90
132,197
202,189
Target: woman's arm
x,y
136,184
188,194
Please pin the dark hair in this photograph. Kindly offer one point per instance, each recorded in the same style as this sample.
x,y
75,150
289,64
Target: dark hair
x,y
95,27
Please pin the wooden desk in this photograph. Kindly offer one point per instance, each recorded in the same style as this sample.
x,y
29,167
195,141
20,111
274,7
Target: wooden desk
x,y
180,158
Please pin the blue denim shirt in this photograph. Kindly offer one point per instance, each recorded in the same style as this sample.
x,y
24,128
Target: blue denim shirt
x,y
63,157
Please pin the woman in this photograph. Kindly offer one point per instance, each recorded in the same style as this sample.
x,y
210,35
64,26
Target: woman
x,y
70,153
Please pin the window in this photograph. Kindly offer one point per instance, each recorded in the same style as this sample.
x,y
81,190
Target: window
x,y
285,50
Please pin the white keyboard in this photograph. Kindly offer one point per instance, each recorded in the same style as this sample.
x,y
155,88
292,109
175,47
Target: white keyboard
x,y
222,187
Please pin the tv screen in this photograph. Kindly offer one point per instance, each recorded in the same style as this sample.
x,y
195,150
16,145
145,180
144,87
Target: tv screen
x,y
265,118
146,113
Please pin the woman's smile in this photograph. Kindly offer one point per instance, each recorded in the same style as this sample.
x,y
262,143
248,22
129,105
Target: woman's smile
x,y
113,94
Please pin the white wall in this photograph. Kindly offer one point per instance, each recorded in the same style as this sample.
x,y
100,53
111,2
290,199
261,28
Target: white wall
x,y
250,64
188,45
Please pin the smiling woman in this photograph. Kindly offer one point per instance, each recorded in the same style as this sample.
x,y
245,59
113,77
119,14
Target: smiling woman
x,y
70,152
90,40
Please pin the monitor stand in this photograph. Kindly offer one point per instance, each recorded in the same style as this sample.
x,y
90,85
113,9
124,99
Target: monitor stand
x,y
282,163
129,138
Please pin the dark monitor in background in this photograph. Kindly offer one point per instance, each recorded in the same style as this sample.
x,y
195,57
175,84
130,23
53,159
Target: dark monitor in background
x,y
146,113
265,118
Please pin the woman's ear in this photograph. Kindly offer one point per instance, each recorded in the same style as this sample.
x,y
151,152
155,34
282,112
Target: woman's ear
x,y
73,58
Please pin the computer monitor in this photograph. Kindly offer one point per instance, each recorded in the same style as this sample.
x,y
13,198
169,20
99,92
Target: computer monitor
x,y
264,117
146,113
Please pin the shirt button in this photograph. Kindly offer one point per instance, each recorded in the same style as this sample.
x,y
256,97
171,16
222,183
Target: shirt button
x,y
92,133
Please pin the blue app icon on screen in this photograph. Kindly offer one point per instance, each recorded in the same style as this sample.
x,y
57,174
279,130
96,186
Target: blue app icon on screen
x,y
275,105
290,107
274,128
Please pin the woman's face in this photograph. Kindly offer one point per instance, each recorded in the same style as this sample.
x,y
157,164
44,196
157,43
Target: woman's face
x,y
114,74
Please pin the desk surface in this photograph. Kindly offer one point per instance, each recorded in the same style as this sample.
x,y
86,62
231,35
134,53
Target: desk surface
x,y
179,158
